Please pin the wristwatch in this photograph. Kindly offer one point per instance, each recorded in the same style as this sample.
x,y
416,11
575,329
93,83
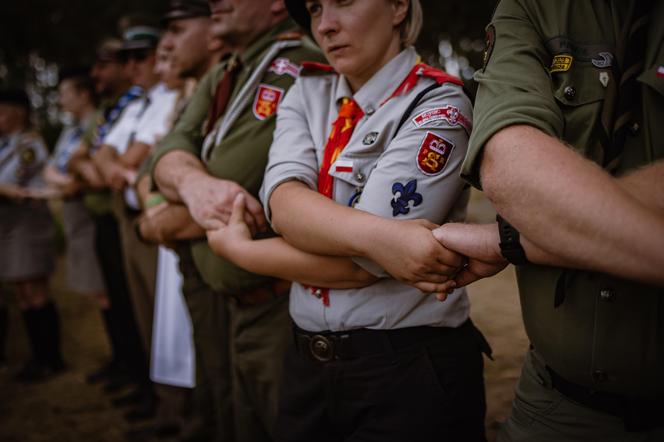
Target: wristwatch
x,y
510,247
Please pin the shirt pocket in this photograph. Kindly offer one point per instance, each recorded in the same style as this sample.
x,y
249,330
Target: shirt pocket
x,y
351,172
580,94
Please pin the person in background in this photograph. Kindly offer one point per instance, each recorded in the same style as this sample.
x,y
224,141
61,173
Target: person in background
x,y
186,39
119,159
27,235
77,99
128,363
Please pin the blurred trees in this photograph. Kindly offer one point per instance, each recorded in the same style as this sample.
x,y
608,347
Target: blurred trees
x,y
38,36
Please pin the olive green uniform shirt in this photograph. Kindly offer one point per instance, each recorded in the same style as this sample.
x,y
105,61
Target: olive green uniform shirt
x,y
241,155
608,333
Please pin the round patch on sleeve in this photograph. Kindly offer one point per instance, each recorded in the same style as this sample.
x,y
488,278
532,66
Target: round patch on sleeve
x,y
433,154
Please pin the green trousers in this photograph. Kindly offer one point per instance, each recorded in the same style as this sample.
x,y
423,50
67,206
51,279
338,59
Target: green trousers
x,y
542,414
259,338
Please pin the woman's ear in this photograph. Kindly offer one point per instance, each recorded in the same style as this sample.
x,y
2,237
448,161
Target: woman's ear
x,y
399,11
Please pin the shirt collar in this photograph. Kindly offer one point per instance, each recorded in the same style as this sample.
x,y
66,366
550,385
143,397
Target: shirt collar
x,y
379,87
254,50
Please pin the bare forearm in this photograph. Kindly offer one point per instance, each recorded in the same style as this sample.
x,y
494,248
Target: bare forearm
x,y
574,213
176,224
275,257
172,170
134,155
646,185
316,224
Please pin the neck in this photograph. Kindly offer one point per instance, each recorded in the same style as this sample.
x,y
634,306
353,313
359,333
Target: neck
x,y
356,81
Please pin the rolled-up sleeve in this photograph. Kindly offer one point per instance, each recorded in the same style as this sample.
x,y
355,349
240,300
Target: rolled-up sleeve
x,y
293,153
515,86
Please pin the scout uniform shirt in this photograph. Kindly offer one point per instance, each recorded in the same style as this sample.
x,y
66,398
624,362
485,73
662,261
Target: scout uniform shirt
x,y
238,151
548,65
382,171
22,157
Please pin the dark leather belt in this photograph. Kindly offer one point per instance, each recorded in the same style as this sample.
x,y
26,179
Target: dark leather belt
x,y
638,413
264,294
330,346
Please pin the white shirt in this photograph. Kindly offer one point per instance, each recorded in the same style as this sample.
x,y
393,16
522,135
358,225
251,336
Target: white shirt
x,y
144,120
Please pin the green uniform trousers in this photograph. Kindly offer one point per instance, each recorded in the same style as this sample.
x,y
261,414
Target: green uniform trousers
x,y
213,401
542,414
260,335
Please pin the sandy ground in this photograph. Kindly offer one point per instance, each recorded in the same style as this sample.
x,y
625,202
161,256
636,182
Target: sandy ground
x,y
66,409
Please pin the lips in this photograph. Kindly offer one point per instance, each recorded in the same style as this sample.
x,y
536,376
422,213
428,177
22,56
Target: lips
x,y
336,49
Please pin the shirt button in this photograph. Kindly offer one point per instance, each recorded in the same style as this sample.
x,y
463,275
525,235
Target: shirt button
x,y
600,376
606,294
634,128
360,177
370,110
569,92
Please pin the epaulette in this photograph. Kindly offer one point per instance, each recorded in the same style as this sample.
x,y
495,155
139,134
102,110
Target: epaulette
x,y
289,35
315,68
438,75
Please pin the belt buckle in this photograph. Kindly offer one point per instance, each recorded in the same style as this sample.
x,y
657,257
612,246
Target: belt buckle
x,y
321,348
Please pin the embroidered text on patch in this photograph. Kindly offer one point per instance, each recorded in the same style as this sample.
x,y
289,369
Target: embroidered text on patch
x,y
266,101
561,63
449,113
433,154
404,196
281,66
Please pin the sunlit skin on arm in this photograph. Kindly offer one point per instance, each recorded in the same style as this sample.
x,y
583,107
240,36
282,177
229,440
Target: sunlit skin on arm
x,y
405,249
614,225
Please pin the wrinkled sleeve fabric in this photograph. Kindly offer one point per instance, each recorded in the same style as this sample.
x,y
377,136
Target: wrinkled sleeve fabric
x,y
293,152
514,86
406,182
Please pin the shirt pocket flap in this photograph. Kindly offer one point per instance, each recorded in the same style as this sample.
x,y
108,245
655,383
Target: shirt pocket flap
x,y
581,85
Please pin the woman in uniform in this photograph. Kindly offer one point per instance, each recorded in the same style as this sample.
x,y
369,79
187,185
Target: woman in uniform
x,y
364,163
26,235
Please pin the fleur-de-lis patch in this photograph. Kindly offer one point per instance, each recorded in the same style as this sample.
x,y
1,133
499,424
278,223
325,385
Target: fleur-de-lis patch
x,y
404,195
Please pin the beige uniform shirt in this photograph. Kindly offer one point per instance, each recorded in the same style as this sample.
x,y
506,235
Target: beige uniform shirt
x,y
381,171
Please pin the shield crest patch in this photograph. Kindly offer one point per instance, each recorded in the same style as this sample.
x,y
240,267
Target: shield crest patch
x,y
266,101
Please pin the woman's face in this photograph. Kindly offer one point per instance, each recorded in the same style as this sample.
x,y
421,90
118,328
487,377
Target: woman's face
x,y
358,37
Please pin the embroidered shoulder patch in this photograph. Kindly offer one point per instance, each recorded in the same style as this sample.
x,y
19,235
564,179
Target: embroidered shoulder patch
x,y
433,154
448,113
404,195
266,101
283,66
561,63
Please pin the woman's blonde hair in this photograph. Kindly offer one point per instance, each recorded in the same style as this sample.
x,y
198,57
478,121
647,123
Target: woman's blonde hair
x,y
411,26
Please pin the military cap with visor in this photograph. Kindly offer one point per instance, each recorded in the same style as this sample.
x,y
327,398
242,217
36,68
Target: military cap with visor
x,y
140,38
179,9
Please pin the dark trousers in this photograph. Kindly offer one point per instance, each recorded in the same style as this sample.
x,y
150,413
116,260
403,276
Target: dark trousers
x,y
213,401
121,323
407,385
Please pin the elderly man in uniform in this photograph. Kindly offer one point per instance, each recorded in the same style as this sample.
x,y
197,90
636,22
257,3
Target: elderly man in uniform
x,y
217,150
573,163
